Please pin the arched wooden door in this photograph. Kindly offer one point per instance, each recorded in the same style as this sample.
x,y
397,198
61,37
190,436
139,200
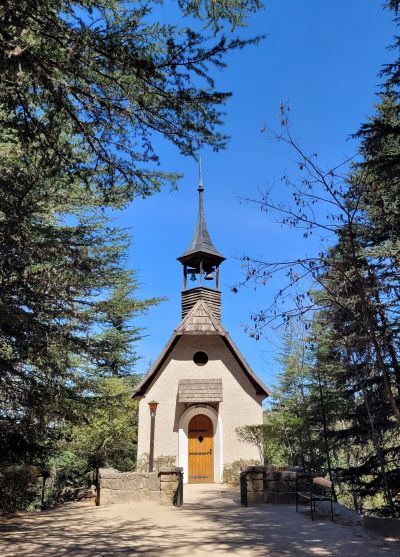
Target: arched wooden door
x,y
201,450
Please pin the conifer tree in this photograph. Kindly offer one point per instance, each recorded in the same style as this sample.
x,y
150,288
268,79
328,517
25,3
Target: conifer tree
x,y
352,286
88,88
113,78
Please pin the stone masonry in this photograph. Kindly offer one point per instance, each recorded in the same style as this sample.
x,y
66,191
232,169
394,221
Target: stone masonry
x,y
169,478
255,483
133,487
280,486
274,487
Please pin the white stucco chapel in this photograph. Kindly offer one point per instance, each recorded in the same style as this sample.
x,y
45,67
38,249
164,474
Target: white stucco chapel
x,y
200,387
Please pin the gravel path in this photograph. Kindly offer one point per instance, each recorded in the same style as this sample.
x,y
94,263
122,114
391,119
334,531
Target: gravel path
x,y
211,522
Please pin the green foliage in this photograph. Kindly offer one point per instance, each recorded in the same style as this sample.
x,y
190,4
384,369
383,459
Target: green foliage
x,y
160,461
18,487
393,5
111,77
280,430
107,436
69,470
231,472
303,405
339,392
102,433
255,435
85,89
214,12
267,438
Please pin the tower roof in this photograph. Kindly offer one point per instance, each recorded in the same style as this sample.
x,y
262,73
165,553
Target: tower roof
x,y
201,246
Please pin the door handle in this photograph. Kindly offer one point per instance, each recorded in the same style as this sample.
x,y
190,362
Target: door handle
x,y
210,451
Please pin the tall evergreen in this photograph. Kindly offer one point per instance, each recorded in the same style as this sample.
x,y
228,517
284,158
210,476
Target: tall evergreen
x,y
93,83
87,90
352,289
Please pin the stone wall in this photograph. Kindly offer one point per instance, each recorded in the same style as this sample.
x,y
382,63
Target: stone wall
x,y
280,486
255,483
133,487
274,487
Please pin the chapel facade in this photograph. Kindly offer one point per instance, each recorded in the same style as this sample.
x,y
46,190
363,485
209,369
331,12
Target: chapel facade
x,y
204,387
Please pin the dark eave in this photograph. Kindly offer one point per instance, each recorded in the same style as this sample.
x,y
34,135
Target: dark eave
x,y
147,380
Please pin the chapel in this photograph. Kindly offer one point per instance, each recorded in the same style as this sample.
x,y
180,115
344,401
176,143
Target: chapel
x,y
200,388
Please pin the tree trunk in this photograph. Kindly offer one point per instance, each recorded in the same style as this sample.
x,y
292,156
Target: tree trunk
x,y
43,491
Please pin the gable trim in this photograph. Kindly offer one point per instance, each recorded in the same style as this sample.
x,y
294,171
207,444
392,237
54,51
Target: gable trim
x,y
219,330
146,381
261,389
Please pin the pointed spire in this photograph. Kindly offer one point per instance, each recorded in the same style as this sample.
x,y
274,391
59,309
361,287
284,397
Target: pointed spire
x,y
201,244
201,186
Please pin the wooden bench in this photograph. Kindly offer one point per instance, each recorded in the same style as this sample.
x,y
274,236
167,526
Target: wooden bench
x,y
321,490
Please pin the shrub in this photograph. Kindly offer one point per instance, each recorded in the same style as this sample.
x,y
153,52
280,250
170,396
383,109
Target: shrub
x,y
162,461
71,470
19,487
231,472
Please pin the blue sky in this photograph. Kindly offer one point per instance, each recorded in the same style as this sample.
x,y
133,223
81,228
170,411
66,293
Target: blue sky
x,y
322,58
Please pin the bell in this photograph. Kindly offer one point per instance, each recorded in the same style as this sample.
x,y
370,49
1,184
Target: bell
x,y
193,277
209,276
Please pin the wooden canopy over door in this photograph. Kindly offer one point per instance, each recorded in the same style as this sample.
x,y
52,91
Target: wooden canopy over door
x,y
201,450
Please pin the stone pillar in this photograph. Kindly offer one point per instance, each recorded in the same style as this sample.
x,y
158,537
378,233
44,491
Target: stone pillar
x,y
255,483
169,481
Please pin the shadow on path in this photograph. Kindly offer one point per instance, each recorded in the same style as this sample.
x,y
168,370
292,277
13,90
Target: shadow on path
x,y
210,522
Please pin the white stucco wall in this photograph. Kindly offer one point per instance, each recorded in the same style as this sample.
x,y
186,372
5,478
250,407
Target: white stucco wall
x,y
240,406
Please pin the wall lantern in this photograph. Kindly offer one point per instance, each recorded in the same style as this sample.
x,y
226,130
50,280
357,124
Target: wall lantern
x,y
153,407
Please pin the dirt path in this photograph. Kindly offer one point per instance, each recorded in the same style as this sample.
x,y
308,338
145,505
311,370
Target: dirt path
x,y
211,522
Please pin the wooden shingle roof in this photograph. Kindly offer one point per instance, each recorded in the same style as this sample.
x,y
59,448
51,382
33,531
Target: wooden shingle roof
x,y
201,321
200,390
201,246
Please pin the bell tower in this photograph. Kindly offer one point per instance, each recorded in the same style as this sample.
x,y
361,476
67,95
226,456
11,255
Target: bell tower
x,y
201,262
200,379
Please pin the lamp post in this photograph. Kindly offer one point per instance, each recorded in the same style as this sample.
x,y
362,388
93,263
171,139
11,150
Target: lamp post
x,y
153,409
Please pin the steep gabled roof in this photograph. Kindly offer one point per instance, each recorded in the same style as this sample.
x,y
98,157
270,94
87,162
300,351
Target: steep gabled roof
x,y
200,320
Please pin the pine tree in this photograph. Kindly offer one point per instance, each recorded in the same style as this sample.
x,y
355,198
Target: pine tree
x,y
352,286
86,88
113,77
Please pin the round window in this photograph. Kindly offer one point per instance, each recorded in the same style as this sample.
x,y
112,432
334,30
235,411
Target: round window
x,y
200,358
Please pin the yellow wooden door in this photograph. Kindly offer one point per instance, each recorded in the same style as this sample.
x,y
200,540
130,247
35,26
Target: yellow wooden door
x,y
201,450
